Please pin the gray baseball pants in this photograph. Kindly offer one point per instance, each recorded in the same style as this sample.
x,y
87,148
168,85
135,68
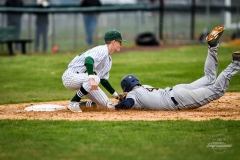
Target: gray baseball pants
x,y
209,87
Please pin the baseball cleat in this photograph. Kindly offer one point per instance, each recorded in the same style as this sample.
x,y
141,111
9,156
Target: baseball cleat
x,y
88,103
236,55
74,106
213,37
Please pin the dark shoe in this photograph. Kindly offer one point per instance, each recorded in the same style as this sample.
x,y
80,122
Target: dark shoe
x,y
236,55
213,37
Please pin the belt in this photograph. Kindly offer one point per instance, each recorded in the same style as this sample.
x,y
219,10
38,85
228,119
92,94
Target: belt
x,y
94,72
173,99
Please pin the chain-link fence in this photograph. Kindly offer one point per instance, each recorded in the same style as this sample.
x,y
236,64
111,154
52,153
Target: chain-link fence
x,y
66,30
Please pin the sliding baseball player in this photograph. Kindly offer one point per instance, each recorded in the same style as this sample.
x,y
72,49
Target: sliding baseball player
x,y
193,95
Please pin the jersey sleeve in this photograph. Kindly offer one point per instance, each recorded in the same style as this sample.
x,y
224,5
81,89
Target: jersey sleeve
x,y
89,65
125,104
134,94
107,85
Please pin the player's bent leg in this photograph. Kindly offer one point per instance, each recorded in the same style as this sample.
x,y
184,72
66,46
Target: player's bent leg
x,y
74,81
223,80
211,63
87,86
199,97
210,71
100,98
193,98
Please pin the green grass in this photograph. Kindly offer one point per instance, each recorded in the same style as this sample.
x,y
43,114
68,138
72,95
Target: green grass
x,y
140,140
37,77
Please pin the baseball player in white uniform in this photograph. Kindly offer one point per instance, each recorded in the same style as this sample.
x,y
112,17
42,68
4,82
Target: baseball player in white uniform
x,y
193,95
90,68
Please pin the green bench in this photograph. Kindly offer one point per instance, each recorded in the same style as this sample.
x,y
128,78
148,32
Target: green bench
x,y
8,36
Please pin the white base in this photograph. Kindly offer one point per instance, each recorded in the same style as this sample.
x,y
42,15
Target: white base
x,y
45,107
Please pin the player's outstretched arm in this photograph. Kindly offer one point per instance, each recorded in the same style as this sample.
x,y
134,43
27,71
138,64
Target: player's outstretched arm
x,y
125,104
105,83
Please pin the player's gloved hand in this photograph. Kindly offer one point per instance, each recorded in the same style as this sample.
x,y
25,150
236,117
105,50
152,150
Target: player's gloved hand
x,y
122,96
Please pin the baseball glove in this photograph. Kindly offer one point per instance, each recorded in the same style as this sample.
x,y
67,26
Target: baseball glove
x,y
122,96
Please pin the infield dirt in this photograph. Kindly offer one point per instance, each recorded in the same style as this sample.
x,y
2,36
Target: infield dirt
x,y
226,108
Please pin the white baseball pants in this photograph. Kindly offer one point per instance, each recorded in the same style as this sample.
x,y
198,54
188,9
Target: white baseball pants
x,y
74,81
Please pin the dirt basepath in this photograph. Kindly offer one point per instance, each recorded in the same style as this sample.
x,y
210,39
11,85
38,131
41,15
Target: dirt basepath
x,y
226,108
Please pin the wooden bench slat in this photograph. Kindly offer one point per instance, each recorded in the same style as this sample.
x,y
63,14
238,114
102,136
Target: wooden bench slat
x,y
9,36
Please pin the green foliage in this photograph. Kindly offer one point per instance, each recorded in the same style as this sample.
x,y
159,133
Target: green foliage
x,y
23,140
37,77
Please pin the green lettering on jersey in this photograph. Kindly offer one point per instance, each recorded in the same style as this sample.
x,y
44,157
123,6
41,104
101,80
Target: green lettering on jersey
x,y
81,53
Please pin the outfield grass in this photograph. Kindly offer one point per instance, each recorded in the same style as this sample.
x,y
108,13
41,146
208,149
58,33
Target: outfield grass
x,y
37,77
132,140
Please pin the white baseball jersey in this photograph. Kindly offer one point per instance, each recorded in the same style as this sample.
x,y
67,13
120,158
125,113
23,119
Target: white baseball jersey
x,y
76,74
102,62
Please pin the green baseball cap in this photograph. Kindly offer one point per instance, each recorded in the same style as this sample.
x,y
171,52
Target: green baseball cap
x,y
113,35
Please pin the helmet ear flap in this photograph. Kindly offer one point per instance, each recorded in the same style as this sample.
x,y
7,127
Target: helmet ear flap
x,y
123,85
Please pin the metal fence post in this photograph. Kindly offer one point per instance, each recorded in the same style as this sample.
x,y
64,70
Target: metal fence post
x,y
30,30
192,19
53,29
161,12
118,21
75,27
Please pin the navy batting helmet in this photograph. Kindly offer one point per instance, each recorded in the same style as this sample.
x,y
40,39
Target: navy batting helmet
x,y
128,82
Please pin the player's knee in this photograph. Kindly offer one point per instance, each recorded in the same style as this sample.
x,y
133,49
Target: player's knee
x,y
211,80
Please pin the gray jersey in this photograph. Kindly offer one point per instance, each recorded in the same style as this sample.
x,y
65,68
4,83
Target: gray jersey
x,y
152,98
